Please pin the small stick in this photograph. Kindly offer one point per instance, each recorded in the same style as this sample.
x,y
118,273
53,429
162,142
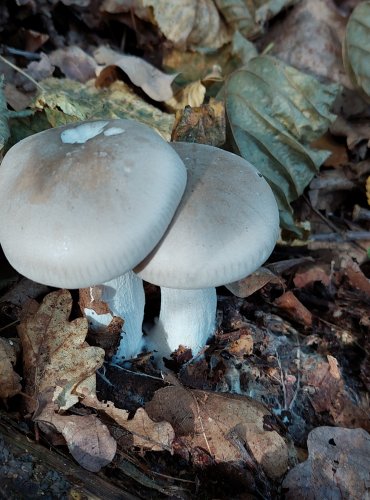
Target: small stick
x,y
360,213
22,73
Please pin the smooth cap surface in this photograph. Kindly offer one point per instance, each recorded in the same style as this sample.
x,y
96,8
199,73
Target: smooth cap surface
x,y
84,203
225,227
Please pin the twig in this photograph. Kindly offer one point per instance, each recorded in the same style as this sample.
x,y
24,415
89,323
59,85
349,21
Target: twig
x,y
333,227
360,213
282,381
343,236
9,325
298,380
135,373
16,68
32,56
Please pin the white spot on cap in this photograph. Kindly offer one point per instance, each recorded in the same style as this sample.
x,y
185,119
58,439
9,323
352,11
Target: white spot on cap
x,y
113,131
82,133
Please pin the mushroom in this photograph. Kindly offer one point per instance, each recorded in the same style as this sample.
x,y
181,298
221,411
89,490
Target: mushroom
x,y
225,227
83,204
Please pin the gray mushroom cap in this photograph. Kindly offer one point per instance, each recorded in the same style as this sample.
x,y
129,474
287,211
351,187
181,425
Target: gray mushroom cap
x,y
84,203
225,227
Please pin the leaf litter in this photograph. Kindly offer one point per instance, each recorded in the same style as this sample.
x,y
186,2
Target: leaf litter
x,y
295,340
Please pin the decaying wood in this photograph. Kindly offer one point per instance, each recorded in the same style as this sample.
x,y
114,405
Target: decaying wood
x,y
31,461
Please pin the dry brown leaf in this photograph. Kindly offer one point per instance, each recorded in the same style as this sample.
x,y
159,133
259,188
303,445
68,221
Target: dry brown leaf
x,y
339,153
191,95
88,440
337,467
310,275
9,379
190,23
15,98
242,346
255,281
328,392
224,425
16,298
147,434
39,70
74,62
155,83
204,125
105,336
354,132
55,353
309,38
34,40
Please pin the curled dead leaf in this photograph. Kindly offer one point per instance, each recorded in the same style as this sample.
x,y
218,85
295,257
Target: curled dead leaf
x,y
55,353
9,379
224,425
88,439
255,281
147,433
192,95
338,465
155,83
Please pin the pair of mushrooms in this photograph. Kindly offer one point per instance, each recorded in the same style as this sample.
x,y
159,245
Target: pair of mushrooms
x,y
87,203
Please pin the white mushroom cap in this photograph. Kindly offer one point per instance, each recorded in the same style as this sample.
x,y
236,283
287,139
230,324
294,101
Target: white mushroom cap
x,y
84,203
225,227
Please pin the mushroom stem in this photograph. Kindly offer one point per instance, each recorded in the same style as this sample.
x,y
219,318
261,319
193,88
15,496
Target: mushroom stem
x,y
187,318
125,298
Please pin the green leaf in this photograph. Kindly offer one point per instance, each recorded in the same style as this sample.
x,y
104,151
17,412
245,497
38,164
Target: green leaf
x,y
65,101
275,112
4,127
356,48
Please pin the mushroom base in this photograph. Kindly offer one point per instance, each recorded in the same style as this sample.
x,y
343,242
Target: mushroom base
x,y
126,299
187,318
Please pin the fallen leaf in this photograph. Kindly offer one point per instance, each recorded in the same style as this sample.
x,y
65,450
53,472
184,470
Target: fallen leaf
x,y
74,62
204,124
15,98
155,83
242,346
339,153
224,425
250,17
275,112
192,95
9,379
18,295
39,70
107,333
88,439
355,132
356,48
255,281
329,394
66,101
310,275
337,467
34,40
55,353
190,23
146,433
309,38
